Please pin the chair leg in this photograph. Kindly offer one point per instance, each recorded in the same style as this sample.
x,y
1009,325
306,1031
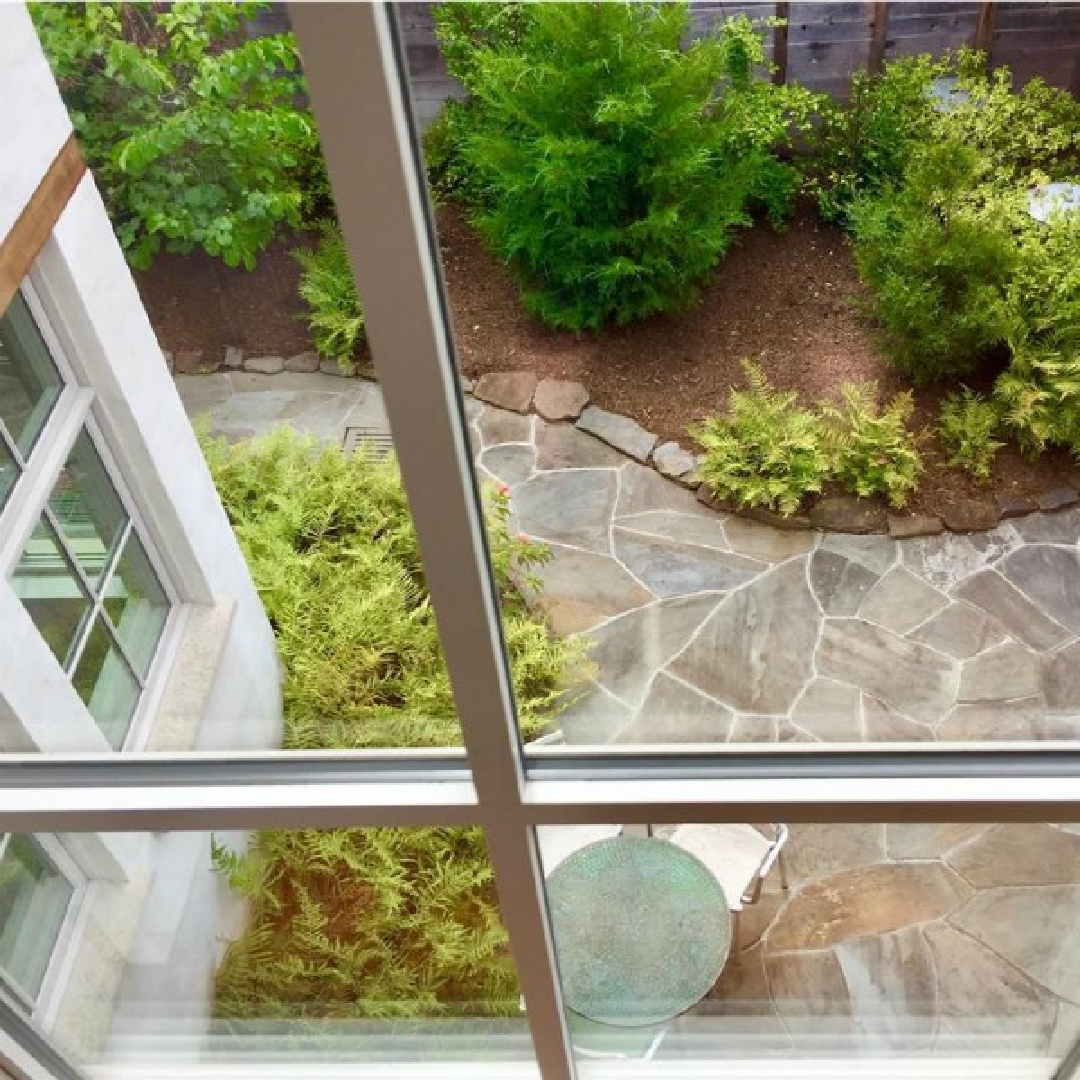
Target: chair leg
x,y
736,944
782,868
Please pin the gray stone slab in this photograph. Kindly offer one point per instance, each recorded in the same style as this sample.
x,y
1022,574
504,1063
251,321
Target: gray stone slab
x,y
507,389
1020,617
244,382
1049,576
1006,672
892,981
917,681
594,719
876,553
868,900
849,515
473,409
630,649
839,583
619,431
642,488
265,365
1035,929
830,711
558,399
1061,680
928,841
983,995
994,721
960,630
302,362
818,851
751,728
562,446
900,601
502,426
812,998
568,507
1062,528
200,393
764,542
673,569
581,589
511,462
672,461
970,515
882,723
948,559
755,652
1020,854
674,713
705,532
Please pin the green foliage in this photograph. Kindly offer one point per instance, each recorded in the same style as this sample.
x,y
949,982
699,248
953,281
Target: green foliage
x,y
969,424
859,148
192,131
938,267
611,164
335,318
874,451
367,922
1040,392
449,175
767,452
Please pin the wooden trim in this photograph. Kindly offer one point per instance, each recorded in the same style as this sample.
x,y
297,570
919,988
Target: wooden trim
x,y
32,228
879,30
780,38
984,31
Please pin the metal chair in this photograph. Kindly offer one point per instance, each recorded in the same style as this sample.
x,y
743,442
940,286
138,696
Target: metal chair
x,y
739,857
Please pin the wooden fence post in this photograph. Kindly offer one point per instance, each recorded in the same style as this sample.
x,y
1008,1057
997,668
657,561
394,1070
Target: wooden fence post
x,y
780,35
984,31
879,29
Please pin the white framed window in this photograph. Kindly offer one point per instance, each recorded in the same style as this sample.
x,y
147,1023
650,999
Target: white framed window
x,y
79,560
353,63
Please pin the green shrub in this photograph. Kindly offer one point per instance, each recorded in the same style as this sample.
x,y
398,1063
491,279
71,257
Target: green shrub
x,y
614,163
334,317
858,148
1039,393
192,131
937,265
366,922
767,452
873,450
969,424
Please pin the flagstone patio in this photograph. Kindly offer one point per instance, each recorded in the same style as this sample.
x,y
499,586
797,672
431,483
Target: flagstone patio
x,y
711,628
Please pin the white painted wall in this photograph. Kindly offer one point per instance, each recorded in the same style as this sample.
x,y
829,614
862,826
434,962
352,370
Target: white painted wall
x,y
128,943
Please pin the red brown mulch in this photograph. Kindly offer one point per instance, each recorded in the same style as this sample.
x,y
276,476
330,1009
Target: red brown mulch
x,y
789,301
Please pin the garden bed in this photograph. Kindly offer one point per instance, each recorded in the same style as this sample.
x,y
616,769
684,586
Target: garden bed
x,y
790,301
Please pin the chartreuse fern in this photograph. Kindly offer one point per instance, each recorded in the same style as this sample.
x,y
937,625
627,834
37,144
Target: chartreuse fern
x,y
334,316
969,424
873,451
366,922
767,452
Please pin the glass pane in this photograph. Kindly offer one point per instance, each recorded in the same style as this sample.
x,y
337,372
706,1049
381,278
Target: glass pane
x,y
50,590
937,941
136,604
9,473
34,898
106,684
89,511
302,947
29,381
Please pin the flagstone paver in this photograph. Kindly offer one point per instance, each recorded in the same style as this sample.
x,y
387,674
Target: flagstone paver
x,y
946,938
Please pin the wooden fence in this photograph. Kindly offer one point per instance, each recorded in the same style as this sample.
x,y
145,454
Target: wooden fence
x,y
824,43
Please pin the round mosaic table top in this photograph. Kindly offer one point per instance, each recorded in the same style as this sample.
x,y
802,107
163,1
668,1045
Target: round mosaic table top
x,y
642,930
1046,198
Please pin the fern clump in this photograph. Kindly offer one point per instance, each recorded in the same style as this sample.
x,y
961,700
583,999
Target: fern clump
x,y
873,450
335,318
767,452
968,428
367,922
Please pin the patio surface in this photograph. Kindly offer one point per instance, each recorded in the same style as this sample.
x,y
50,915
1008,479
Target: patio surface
x,y
710,628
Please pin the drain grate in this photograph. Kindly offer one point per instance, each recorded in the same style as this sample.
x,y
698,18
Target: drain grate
x,y
376,442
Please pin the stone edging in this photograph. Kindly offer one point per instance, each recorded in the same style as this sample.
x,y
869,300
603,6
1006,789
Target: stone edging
x,y
194,362
559,400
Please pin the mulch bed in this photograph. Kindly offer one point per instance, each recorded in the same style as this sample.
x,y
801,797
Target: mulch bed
x,y
789,301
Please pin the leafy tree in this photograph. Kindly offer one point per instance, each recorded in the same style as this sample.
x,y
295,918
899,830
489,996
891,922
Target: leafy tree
x,y
613,164
192,131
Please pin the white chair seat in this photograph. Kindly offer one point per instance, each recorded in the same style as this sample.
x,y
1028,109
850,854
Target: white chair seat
x,y
733,854
559,842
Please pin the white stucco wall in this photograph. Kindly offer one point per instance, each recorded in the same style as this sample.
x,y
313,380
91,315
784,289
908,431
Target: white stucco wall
x,y
151,903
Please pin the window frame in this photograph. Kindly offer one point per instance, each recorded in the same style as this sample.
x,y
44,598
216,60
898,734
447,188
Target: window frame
x,y
74,413
355,70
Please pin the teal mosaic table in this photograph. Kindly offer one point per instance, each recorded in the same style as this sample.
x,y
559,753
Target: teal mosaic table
x,y
642,930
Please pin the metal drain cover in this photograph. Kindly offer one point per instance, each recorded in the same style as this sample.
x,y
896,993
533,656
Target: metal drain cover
x,y
376,442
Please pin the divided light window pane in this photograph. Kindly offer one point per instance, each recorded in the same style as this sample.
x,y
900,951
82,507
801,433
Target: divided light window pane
x,y
29,381
34,899
136,603
9,472
106,684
